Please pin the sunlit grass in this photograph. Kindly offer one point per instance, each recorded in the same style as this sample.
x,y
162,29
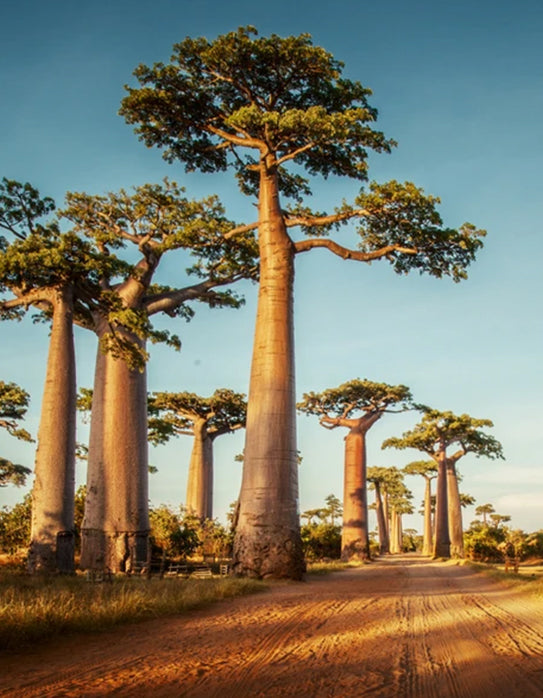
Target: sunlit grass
x,y
33,608
525,580
331,566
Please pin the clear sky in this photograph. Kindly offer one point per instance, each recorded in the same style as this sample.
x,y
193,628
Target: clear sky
x,y
458,84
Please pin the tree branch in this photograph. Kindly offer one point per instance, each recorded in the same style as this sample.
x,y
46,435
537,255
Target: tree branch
x,y
346,253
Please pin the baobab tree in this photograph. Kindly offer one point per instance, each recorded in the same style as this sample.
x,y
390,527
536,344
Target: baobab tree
x,y
356,406
13,406
484,510
377,477
428,470
400,504
434,435
270,108
152,220
57,273
172,414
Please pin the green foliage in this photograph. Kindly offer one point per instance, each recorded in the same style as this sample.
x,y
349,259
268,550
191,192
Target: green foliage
x,y
356,396
321,540
15,526
171,414
250,102
180,535
13,406
284,94
438,430
173,535
402,215
12,473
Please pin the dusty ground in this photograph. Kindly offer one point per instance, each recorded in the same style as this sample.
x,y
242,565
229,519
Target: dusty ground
x,y
404,627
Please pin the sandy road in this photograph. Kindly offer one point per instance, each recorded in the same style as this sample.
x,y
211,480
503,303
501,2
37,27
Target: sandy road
x,y
404,627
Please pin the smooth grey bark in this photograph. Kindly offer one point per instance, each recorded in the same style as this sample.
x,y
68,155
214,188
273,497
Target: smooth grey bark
x,y
267,541
52,529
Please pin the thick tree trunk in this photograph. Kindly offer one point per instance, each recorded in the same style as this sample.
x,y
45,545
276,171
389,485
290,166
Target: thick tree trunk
x,y
355,542
126,466
93,549
199,501
442,543
454,512
384,543
427,543
267,541
52,535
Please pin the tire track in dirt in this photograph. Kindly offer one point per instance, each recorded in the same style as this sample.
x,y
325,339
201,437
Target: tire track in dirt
x,y
403,627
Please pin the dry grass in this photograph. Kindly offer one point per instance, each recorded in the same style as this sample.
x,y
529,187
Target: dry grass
x,y
34,608
529,578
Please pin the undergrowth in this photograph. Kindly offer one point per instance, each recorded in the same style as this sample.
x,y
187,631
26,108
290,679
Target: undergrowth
x,y
33,609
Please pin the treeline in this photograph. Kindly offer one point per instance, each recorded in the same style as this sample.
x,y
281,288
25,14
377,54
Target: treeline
x,y
277,112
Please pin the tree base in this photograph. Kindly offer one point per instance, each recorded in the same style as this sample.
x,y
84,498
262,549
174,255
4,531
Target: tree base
x,y
273,554
116,551
355,552
52,557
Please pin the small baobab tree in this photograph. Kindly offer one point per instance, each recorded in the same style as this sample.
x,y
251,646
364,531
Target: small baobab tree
x,y
356,406
434,435
428,470
275,109
377,478
484,510
205,419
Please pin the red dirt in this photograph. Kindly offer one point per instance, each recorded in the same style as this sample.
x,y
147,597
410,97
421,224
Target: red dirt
x,y
403,627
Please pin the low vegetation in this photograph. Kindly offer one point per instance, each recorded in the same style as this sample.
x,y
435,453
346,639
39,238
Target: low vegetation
x,y
37,608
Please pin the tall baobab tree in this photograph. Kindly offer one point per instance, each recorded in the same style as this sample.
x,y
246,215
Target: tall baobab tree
x,y
152,220
57,273
428,470
434,435
204,419
270,108
356,406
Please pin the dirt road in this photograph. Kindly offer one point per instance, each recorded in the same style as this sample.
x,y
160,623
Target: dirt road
x,y
404,627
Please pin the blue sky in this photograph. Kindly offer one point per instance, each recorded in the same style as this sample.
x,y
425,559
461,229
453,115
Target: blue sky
x,y
458,85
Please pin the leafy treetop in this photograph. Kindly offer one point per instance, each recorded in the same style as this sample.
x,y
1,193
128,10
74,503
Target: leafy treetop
x,y
281,105
349,401
172,414
437,431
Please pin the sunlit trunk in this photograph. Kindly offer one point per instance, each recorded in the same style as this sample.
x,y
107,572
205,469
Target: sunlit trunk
x,y
52,534
427,542
126,467
199,501
93,551
386,514
355,543
454,512
442,543
384,544
395,542
267,541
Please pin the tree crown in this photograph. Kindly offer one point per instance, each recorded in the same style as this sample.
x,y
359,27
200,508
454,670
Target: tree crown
x,y
177,413
437,431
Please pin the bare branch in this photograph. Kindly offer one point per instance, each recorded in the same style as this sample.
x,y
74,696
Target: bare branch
x,y
346,253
